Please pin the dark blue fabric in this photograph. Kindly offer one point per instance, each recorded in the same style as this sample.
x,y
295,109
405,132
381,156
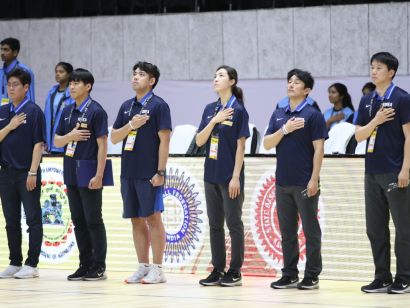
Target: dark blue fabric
x,y
295,151
388,151
17,147
142,161
97,122
220,171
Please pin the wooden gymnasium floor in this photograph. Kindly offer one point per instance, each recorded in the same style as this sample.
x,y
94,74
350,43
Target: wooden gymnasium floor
x,y
182,290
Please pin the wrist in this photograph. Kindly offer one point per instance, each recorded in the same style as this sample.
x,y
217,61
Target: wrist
x,y
284,130
161,172
32,173
235,176
130,125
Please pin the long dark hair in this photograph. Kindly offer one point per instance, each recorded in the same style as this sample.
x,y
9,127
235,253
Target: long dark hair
x,y
233,74
342,90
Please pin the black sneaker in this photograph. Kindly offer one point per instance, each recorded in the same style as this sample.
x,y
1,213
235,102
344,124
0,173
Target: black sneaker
x,y
78,274
399,286
377,286
95,273
308,284
285,282
212,279
231,279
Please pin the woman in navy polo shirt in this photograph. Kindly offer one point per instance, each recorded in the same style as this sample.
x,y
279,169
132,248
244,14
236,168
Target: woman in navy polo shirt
x,y
224,129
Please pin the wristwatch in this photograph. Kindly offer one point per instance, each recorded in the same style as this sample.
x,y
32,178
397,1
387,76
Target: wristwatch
x,y
161,172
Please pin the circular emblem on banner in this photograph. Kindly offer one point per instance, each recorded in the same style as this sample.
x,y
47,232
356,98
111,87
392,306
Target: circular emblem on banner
x,y
58,234
182,218
265,224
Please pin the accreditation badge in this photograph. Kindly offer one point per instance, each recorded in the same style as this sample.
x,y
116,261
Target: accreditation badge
x,y
228,123
5,101
372,141
71,149
213,149
129,144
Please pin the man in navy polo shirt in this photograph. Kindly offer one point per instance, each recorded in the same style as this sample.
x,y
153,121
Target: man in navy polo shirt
x,y
22,136
298,132
144,125
10,48
384,121
83,132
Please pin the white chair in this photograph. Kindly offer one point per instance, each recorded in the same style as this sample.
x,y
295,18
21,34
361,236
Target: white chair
x,y
361,148
181,138
248,143
339,137
113,148
262,150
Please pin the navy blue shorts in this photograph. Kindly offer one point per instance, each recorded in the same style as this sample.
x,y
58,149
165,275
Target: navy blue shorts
x,y
140,198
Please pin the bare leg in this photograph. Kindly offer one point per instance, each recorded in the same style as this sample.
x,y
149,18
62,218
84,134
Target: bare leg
x,y
140,234
157,231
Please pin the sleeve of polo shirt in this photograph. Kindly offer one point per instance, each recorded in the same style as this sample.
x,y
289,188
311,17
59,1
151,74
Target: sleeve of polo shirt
x,y
60,127
163,117
361,112
404,110
243,124
317,126
39,128
100,123
119,121
271,128
203,120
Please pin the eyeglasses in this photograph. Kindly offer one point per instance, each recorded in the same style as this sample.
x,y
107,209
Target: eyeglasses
x,y
13,85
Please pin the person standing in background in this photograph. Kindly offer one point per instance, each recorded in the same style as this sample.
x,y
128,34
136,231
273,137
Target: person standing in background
x,y
10,48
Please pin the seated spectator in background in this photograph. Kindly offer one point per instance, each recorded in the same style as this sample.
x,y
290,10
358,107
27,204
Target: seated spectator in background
x,y
342,105
57,99
367,88
284,102
10,48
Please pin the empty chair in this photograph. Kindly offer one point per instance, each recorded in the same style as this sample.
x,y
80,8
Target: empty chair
x,y
339,137
181,138
361,148
262,150
113,148
252,143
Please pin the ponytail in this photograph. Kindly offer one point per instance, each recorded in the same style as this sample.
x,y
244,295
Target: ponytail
x,y
237,91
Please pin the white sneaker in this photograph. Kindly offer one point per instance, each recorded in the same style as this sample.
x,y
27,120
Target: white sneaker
x,y
9,271
27,272
155,275
142,271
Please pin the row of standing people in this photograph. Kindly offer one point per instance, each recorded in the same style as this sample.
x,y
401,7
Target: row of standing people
x,y
143,125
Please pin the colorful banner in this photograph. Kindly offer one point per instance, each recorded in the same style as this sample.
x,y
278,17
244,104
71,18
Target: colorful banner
x,y
345,247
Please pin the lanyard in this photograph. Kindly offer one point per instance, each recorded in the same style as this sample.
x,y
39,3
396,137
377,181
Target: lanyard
x,y
83,108
386,95
144,102
18,108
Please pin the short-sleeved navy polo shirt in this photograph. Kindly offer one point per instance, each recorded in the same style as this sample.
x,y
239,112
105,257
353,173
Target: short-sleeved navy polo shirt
x,y
142,161
220,171
17,147
388,153
96,120
295,151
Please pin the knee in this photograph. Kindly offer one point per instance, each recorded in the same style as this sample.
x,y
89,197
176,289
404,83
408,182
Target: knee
x,y
154,220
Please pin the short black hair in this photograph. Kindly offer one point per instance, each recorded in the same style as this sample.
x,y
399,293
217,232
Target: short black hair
x,y
369,85
66,66
81,74
386,58
20,74
151,69
305,76
12,42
